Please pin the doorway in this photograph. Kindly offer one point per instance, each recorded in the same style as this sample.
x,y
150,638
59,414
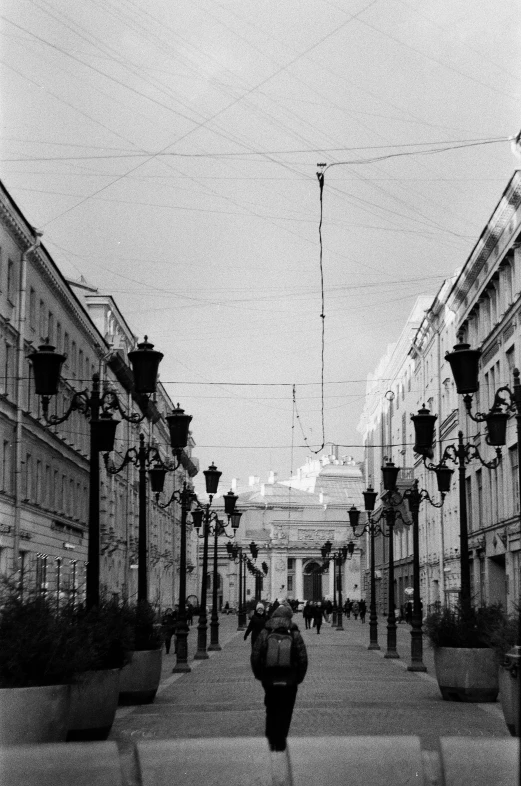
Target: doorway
x,y
312,581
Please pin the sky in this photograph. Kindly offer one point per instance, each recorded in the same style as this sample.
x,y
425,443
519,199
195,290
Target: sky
x,y
169,152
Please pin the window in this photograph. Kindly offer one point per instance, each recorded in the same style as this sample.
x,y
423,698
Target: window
x,y
6,467
468,486
507,280
66,344
80,364
11,284
9,370
28,484
32,308
290,583
41,573
38,490
59,336
73,357
42,320
291,564
514,473
479,484
50,327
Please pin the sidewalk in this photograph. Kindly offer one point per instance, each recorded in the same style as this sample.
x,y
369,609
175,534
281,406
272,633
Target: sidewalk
x,y
348,690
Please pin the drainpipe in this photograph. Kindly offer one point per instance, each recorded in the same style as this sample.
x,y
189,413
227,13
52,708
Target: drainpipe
x,y
20,360
442,522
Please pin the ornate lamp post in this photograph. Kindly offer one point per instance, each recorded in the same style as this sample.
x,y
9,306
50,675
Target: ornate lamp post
x,y
462,454
237,555
354,517
47,364
200,516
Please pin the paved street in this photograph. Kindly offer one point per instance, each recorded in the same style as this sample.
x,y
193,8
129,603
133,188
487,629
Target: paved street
x,y
348,691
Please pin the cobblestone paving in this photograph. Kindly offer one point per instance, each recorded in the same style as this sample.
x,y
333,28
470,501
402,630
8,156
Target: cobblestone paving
x,y
348,691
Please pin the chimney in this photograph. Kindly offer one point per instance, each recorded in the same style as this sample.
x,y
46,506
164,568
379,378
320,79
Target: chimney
x,y
272,477
253,480
235,481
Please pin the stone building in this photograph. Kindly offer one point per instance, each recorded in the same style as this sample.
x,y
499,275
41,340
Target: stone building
x,y
289,521
480,304
44,474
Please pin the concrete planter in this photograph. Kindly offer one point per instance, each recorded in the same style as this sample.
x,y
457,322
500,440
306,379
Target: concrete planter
x,y
94,701
467,674
140,678
509,698
29,715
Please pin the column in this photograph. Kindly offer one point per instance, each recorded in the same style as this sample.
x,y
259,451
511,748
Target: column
x,y
331,580
299,579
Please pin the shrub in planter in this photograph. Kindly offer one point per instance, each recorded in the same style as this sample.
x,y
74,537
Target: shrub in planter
x,y
140,678
40,655
466,665
107,634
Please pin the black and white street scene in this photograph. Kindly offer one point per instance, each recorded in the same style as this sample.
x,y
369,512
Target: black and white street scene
x,y
260,393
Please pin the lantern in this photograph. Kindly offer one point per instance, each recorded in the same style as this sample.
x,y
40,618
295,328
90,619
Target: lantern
x,y
145,364
178,424
157,475
444,478
354,516
235,519
464,364
496,421
229,502
390,475
103,432
424,424
370,496
211,476
197,518
47,366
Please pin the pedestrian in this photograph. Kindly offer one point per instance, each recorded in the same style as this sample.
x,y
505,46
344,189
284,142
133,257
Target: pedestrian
x,y
279,660
363,609
347,608
356,609
257,622
318,613
189,613
408,612
168,626
306,613
226,608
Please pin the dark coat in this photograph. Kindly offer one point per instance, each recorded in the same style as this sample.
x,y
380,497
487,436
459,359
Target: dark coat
x,y
299,652
257,623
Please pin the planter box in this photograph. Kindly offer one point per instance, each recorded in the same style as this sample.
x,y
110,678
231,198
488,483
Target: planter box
x,y
94,701
29,715
509,698
467,674
140,678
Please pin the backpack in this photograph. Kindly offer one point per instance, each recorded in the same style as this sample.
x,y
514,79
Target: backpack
x,y
279,669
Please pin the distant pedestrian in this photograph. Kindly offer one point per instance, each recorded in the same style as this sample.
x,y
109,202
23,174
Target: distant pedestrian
x,y
189,613
363,609
257,622
408,612
307,614
279,660
168,626
318,613
226,608
328,608
347,608
356,609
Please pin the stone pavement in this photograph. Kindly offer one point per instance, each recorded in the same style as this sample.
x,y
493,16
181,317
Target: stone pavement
x,y
348,690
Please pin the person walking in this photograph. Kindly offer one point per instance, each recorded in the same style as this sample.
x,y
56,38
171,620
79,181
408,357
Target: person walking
x,y
363,609
347,608
306,613
168,626
257,622
355,609
318,613
279,660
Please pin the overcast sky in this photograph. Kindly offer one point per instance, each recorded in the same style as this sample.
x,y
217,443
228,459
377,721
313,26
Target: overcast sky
x,y
169,153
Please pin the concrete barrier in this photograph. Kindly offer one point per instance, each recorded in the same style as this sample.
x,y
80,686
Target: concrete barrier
x,y
308,761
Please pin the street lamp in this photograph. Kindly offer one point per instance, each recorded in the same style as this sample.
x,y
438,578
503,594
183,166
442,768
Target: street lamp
x,y
47,364
237,555
373,528
211,476
462,454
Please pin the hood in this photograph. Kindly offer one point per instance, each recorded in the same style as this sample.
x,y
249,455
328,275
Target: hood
x,y
280,622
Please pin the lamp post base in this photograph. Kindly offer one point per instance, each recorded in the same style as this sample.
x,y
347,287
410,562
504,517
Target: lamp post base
x,y
374,646
181,668
241,621
417,667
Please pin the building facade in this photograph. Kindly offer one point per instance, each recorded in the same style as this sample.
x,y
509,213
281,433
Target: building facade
x,y
289,521
45,471
481,305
